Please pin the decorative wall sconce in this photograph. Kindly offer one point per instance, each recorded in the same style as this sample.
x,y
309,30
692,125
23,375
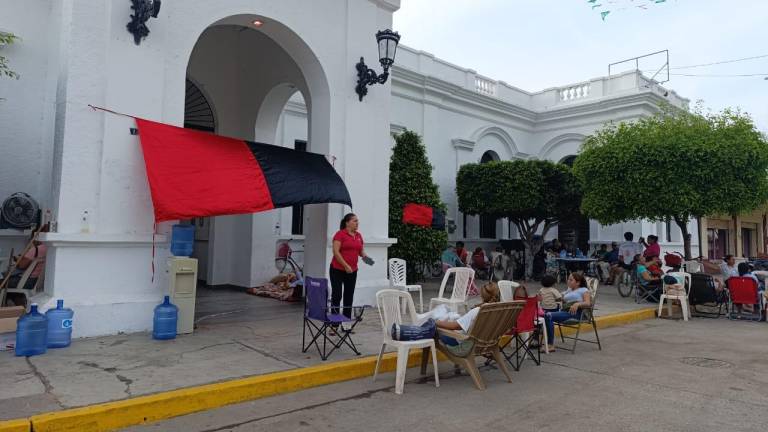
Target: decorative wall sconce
x,y
143,10
387,41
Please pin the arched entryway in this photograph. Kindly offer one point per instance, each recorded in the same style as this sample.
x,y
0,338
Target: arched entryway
x,y
239,79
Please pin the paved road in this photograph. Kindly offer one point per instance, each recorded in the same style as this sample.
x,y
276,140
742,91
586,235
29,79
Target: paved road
x,y
704,375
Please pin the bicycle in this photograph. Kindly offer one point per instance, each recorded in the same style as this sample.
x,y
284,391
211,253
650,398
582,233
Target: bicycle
x,y
284,261
627,282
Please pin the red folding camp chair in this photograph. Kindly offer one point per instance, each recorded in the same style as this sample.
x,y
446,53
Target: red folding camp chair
x,y
743,291
525,331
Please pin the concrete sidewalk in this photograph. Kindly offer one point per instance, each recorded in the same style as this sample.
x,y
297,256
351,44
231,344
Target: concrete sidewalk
x,y
238,335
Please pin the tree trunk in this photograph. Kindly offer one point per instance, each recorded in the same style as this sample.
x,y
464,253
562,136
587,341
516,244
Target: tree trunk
x,y
682,223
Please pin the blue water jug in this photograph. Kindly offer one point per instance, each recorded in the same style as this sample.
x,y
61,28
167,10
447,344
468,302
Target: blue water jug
x,y
59,325
32,333
182,240
164,323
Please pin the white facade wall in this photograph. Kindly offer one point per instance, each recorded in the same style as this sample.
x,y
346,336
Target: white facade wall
x,y
76,53
462,115
74,159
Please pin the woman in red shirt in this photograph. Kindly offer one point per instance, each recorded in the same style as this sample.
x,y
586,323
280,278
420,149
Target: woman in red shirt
x,y
347,248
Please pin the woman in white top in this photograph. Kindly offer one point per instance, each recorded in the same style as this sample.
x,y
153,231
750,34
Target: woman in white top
x,y
489,293
576,296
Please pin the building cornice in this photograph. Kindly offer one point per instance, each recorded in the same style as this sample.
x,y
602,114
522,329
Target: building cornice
x,y
388,5
463,144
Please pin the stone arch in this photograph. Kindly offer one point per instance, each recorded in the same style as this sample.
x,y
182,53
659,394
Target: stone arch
x,y
271,109
502,135
559,141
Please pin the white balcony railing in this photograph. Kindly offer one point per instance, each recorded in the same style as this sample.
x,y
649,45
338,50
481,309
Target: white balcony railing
x,y
485,86
574,92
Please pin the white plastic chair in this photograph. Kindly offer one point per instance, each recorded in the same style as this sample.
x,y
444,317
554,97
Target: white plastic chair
x,y
463,279
397,273
683,297
390,303
692,266
507,289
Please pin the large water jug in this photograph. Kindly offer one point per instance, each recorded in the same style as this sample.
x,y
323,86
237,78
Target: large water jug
x,y
182,240
32,333
164,323
59,325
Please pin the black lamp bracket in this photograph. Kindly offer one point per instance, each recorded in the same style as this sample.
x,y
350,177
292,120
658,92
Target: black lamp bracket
x,y
368,77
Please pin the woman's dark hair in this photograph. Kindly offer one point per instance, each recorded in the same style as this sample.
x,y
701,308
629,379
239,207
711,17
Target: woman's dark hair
x,y
727,257
579,277
743,268
347,217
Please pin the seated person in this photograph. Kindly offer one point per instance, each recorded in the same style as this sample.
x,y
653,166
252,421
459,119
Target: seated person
x,y
450,259
461,251
605,261
489,293
549,296
576,296
653,263
480,262
728,267
648,281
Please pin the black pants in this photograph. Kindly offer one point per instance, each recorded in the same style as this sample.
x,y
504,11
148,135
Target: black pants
x,y
342,282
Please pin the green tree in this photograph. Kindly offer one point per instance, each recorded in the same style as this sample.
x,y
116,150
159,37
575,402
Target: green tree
x,y
5,69
410,181
676,165
534,194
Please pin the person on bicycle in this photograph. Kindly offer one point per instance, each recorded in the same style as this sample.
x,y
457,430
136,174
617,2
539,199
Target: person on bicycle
x,y
627,251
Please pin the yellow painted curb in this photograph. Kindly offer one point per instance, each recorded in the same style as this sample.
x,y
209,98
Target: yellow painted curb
x,y
21,425
147,409
151,408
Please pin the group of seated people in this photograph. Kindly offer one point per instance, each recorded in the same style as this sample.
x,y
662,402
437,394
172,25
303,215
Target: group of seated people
x,y
554,305
458,256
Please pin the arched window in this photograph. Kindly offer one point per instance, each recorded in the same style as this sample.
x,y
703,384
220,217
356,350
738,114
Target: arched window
x,y
198,113
568,160
489,156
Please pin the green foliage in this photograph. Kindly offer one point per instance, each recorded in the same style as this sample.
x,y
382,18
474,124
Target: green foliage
x,y
410,181
5,70
674,165
533,194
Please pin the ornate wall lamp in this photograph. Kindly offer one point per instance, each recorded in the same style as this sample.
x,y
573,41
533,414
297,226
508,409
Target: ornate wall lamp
x,y
387,40
143,10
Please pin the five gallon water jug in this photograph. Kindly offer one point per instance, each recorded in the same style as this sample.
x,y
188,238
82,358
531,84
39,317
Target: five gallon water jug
x,y
59,325
182,240
32,333
166,315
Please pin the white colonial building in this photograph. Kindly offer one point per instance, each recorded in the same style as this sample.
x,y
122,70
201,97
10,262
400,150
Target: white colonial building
x,y
279,72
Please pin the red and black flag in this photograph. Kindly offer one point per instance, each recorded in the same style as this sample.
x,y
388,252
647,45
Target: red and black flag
x,y
423,215
195,174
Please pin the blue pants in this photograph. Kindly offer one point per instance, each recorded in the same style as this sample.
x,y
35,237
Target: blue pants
x,y
550,318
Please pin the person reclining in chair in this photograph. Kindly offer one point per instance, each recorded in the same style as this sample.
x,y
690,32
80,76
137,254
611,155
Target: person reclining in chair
x,y
489,293
38,251
647,280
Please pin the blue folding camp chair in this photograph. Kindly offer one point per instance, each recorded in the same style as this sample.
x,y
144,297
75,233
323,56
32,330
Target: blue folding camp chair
x,y
324,323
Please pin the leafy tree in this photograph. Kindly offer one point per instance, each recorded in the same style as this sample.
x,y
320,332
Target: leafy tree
x,y
5,70
410,181
676,165
534,194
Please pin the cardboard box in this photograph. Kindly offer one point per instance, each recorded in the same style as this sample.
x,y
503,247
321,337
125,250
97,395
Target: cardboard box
x,y
7,341
9,316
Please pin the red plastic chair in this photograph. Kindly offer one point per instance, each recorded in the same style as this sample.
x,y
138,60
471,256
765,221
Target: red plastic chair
x,y
743,291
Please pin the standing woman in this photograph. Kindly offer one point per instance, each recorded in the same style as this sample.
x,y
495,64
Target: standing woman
x,y
347,248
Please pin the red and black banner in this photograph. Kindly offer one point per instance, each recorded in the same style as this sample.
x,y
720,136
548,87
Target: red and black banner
x,y
423,215
195,174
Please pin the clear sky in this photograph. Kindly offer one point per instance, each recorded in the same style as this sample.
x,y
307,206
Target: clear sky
x,y
536,44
